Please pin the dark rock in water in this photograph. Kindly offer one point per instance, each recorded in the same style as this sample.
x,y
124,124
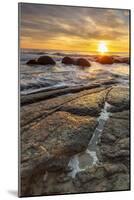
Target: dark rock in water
x,y
68,61
126,60
83,62
117,60
45,60
121,60
105,60
32,62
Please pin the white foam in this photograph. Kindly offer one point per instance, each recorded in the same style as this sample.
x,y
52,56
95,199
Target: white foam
x,y
93,155
74,164
104,113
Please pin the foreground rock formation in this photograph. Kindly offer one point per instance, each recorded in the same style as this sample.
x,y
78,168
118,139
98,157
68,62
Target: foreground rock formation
x,y
57,129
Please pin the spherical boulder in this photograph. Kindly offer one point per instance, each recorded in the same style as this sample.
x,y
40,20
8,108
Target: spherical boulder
x,y
83,62
117,60
105,60
45,60
68,61
31,62
121,60
126,60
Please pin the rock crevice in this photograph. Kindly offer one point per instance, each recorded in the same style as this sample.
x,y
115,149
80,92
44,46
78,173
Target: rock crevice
x,y
54,130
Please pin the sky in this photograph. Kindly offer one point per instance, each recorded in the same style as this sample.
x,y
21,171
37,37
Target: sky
x,y
73,28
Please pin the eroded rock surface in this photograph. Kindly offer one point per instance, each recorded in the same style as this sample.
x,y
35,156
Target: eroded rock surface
x,y
49,143
119,99
54,130
87,105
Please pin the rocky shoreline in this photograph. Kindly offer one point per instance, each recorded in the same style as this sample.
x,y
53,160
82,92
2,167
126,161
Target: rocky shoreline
x,y
83,62
57,128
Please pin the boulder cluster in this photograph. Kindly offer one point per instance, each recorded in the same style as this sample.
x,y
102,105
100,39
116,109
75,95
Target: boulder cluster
x,y
80,61
47,60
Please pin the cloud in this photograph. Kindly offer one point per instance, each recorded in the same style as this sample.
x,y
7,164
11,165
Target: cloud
x,y
51,23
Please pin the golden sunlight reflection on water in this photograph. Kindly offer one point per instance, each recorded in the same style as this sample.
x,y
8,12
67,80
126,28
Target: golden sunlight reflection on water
x,y
100,71
120,68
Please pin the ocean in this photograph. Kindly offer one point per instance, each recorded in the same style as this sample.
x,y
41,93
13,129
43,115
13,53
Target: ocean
x,y
35,78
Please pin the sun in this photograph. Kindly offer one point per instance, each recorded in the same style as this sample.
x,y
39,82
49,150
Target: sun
x,y
102,47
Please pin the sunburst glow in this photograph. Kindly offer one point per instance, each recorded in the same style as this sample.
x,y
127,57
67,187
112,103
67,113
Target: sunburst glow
x,y
102,47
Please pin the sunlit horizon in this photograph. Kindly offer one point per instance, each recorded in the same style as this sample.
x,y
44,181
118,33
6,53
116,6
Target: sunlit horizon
x,y
76,51
75,29
95,50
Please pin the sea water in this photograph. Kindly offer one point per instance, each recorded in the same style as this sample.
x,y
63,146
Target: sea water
x,y
36,77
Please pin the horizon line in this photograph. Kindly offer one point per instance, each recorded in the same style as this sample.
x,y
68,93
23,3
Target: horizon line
x,y
73,50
